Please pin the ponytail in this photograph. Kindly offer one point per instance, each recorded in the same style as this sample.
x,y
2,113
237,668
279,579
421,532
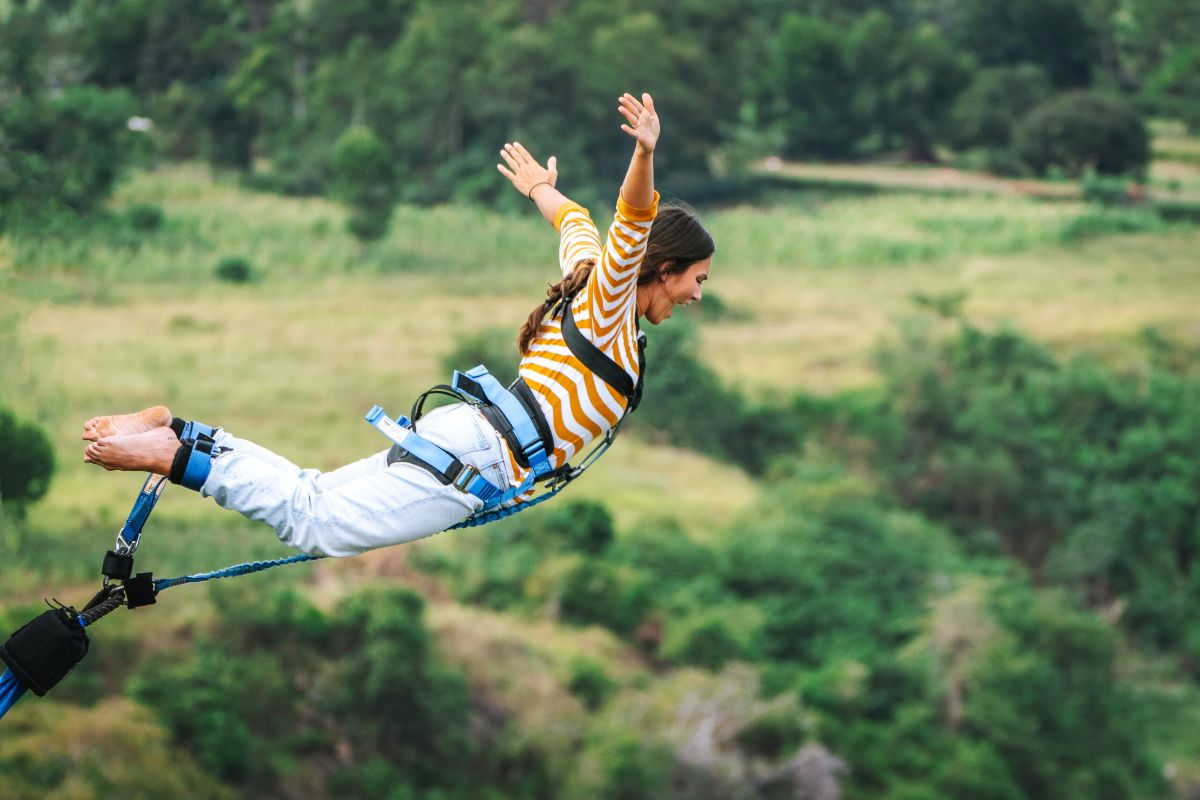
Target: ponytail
x,y
557,292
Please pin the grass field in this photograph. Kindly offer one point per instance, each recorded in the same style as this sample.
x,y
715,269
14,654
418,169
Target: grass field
x,y
105,319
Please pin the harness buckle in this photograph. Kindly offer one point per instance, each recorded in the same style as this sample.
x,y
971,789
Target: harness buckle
x,y
465,478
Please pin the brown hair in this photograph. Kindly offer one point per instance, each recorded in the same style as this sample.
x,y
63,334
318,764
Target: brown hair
x,y
677,240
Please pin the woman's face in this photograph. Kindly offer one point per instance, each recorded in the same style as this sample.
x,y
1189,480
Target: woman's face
x,y
677,289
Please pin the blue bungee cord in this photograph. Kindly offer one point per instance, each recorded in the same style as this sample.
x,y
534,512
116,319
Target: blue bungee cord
x,y
44,650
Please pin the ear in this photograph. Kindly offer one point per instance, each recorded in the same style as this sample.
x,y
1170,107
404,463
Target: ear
x,y
663,267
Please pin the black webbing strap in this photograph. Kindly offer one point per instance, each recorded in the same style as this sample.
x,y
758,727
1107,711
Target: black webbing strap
x,y
598,362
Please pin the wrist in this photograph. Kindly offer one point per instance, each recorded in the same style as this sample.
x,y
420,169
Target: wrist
x,y
534,188
642,150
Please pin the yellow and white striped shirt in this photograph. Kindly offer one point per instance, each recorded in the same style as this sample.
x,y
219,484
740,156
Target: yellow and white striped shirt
x,y
579,406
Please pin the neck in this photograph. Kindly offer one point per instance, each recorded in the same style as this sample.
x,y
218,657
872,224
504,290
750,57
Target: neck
x,y
643,299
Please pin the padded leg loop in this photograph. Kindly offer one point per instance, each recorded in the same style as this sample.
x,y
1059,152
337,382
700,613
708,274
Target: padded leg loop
x,y
45,649
190,431
192,463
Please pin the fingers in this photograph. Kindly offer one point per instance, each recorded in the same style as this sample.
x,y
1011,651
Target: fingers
x,y
648,102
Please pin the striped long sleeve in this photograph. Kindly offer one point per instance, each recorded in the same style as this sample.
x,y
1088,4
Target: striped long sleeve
x,y
579,405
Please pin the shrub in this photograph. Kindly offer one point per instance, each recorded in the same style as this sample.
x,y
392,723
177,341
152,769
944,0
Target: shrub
x,y
984,115
364,175
233,269
710,639
145,217
26,462
1078,131
597,593
66,152
590,683
582,526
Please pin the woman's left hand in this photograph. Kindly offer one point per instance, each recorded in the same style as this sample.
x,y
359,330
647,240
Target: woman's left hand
x,y
524,171
642,121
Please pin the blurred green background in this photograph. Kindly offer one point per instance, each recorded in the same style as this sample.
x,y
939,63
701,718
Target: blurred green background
x,y
911,511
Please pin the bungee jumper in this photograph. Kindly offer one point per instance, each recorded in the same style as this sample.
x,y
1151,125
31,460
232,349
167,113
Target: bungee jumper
x,y
478,459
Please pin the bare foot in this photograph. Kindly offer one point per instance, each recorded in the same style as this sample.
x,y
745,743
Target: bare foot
x,y
151,451
147,419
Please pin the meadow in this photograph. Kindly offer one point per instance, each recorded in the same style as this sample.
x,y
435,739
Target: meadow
x,y
100,316
105,318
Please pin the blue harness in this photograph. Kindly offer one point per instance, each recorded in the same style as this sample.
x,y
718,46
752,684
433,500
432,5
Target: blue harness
x,y
526,435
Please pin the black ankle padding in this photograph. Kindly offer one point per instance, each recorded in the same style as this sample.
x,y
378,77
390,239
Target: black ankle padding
x,y
180,462
177,426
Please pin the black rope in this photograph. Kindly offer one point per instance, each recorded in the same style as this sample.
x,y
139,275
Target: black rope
x,y
94,612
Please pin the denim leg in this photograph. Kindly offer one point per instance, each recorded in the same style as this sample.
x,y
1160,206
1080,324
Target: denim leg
x,y
363,505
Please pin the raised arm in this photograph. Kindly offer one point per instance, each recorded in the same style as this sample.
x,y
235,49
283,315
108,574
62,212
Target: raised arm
x,y
642,125
532,179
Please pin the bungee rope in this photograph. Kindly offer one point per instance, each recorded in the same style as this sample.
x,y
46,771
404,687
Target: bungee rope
x,y
41,653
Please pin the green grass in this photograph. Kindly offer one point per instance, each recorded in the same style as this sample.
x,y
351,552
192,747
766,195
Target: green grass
x,y
104,320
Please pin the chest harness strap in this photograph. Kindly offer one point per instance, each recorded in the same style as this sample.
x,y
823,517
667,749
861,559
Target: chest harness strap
x,y
516,415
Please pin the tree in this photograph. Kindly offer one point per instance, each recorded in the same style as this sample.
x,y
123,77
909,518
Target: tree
x,y
905,81
26,462
1078,131
808,82
986,113
1053,34
364,170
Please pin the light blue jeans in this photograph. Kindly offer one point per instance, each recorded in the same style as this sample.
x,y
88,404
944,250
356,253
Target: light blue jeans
x,y
363,505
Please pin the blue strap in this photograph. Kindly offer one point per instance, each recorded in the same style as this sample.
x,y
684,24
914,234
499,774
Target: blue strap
x,y
523,427
131,531
193,430
467,478
199,464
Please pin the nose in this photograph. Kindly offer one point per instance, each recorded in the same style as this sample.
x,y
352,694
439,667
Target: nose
x,y
696,295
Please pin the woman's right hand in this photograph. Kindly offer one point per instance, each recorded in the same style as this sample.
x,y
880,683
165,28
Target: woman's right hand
x,y
641,119
523,171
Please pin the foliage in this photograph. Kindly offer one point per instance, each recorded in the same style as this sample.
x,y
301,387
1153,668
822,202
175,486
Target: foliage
x,y
1077,472
985,113
590,683
684,397
1174,88
63,152
806,81
26,461
364,172
234,269
906,81
145,217
1051,34
1078,131
364,678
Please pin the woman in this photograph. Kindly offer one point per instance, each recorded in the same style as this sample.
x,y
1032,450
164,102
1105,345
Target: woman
x,y
392,497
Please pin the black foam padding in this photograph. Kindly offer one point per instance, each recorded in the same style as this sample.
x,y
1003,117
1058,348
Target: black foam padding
x,y
45,649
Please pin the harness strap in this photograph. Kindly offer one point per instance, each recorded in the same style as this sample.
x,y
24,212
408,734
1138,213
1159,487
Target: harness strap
x,y
598,361
518,425
445,466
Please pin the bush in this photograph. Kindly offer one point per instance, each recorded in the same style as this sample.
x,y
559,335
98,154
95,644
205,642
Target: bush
x,y
26,462
710,639
145,217
67,152
233,269
1073,470
590,683
1078,131
581,526
365,178
984,115
597,593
